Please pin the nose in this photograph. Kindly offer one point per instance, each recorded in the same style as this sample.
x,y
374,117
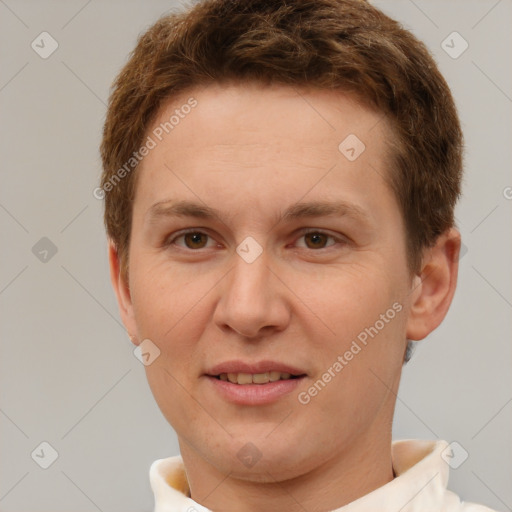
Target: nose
x,y
253,300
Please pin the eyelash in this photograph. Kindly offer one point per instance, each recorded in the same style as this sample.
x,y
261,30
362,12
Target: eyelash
x,y
340,240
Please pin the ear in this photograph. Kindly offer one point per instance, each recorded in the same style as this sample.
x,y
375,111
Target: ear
x,y
122,291
433,288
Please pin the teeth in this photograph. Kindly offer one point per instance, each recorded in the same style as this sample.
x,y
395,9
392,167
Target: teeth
x,y
260,378
274,376
254,378
244,378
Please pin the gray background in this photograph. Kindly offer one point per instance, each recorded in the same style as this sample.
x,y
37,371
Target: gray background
x,y
68,375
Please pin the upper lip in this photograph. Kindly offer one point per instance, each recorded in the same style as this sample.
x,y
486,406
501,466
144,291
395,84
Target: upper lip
x,y
238,366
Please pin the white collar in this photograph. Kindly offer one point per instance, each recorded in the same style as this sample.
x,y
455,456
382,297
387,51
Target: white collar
x,y
420,483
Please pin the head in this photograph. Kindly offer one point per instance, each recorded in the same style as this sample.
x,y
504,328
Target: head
x,y
320,139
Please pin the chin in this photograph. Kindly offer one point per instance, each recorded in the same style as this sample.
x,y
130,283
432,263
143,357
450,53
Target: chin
x,y
265,460
265,470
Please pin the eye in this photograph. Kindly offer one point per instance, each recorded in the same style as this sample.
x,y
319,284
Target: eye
x,y
316,239
193,239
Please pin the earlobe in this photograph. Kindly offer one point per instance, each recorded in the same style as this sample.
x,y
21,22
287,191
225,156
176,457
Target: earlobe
x,y
433,289
122,292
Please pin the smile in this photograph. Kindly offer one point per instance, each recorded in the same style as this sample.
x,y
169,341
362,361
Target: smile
x,y
255,378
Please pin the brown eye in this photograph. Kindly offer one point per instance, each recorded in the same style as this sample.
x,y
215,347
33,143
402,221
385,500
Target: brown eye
x,y
191,239
195,240
316,240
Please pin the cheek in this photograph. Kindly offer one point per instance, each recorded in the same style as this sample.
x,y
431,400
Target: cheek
x,y
172,315
164,300
366,377
360,339
173,394
346,301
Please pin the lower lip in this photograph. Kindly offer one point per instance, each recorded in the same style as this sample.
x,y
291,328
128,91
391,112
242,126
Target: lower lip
x,y
254,394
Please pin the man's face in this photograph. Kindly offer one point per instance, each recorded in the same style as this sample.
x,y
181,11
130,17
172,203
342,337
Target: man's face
x,y
264,285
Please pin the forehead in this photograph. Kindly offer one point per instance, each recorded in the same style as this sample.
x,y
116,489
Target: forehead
x,y
241,136
252,112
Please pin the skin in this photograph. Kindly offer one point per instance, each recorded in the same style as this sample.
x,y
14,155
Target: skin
x,y
251,152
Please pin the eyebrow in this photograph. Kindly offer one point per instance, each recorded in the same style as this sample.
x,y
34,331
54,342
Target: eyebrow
x,y
186,208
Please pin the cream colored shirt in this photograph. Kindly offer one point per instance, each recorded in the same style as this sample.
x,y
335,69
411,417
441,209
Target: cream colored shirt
x,y
419,485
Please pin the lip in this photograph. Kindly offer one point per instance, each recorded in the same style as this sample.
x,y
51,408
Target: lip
x,y
254,394
238,366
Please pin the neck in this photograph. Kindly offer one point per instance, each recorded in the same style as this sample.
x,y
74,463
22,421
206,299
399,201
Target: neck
x,y
363,467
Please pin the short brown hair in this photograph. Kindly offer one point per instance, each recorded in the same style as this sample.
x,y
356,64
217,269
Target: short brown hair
x,y
328,44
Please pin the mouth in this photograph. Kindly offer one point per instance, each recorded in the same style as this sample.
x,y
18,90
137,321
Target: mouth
x,y
254,383
256,378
